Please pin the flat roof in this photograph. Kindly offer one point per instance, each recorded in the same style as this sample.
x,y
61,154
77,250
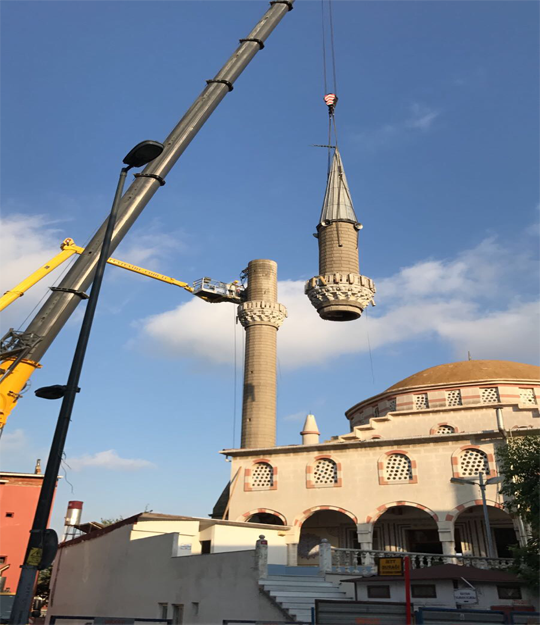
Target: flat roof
x,y
13,474
156,516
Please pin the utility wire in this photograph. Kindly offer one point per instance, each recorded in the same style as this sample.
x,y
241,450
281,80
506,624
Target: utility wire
x,y
235,379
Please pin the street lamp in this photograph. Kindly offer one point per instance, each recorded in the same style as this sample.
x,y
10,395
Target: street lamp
x,y
43,542
482,484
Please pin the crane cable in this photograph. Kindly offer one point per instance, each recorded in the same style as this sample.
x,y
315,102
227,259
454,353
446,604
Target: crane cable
x,y
329,98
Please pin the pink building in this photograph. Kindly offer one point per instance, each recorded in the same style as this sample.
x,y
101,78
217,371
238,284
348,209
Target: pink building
x,y
19,493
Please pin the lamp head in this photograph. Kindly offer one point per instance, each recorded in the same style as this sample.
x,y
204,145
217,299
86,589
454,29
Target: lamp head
x,y
143,153
56,391
495,480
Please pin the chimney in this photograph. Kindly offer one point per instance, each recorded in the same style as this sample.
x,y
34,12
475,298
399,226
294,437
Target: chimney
x,y
37,470
310,433
261,316
339,292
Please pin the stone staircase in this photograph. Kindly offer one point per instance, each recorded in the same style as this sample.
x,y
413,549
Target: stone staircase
x,y
295,589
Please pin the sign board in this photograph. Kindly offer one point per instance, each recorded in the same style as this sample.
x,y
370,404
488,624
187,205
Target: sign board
x,y
464,596
390,566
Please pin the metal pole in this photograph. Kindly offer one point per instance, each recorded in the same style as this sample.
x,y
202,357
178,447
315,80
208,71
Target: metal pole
x,y
491,548
25,589
60,305
408,610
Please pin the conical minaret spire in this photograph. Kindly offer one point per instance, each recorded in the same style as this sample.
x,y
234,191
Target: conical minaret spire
x,y
339,292
337,203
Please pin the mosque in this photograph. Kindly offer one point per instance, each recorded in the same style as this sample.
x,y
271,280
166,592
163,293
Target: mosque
x,y
385,484
295,519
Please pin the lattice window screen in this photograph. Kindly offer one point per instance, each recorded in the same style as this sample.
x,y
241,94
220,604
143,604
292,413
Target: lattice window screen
x,y
262,475
445,429
453,398
526,396
325,472
398,468
489,395
421,401
472,462
392,404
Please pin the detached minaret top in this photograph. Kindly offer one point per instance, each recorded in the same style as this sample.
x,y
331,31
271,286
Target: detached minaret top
x,y
337,205
339,292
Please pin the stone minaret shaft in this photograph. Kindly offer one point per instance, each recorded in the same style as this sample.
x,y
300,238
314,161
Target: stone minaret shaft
x,y
261,316
339,292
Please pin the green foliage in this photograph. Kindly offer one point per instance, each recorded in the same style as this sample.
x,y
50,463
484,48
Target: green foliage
x,y
111,521
43,584
519,465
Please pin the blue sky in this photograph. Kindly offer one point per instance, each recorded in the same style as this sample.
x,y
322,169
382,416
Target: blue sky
x,y
438,130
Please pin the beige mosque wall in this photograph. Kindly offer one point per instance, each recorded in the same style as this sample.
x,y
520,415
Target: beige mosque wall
x,y
363,489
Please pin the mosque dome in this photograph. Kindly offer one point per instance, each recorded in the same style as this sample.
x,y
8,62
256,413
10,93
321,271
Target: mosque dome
x,y
469,371
423,390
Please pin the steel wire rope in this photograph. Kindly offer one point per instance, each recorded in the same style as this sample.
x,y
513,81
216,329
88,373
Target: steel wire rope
x,y
235,323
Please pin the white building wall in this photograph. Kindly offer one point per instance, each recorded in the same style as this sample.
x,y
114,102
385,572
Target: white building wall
x,y
487,595
114,576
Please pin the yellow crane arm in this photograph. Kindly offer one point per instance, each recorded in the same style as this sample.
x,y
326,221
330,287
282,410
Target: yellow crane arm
x,y
9,297
69,248
15,372
140,270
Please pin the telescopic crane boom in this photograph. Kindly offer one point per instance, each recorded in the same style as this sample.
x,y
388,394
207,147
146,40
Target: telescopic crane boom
x,y
207,289
21,352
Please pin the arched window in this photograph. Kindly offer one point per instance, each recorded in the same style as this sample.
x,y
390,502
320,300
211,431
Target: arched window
x,y
444,428
325,472
472,462
398,468
262,476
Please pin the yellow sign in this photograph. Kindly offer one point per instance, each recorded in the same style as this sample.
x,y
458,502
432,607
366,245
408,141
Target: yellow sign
x,y
34,557
390,566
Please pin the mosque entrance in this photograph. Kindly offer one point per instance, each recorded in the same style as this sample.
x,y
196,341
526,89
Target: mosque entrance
x,y
470,532
404,528
338,529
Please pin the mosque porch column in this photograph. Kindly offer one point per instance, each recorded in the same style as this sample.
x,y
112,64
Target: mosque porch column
x,y
446,536
365,538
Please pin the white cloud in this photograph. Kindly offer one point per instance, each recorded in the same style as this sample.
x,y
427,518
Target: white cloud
x,y
471,302
108,460
420,118
149,247
13,441
27,243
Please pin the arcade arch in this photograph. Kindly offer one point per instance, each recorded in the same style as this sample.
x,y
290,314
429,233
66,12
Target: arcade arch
x,y
470,531
407,527
338,526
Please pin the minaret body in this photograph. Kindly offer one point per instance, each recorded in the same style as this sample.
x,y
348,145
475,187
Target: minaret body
x,y
261,316
339,292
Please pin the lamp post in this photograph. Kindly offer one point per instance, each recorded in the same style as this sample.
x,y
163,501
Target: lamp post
x,y
43,542
483,484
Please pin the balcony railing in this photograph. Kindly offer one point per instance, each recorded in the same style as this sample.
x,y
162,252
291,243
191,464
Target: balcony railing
x,y
359,562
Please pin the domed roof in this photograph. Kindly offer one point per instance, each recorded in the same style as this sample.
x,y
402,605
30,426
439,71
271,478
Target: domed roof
x,y
469,371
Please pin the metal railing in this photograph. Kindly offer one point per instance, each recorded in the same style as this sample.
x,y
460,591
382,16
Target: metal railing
x,y
356,560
